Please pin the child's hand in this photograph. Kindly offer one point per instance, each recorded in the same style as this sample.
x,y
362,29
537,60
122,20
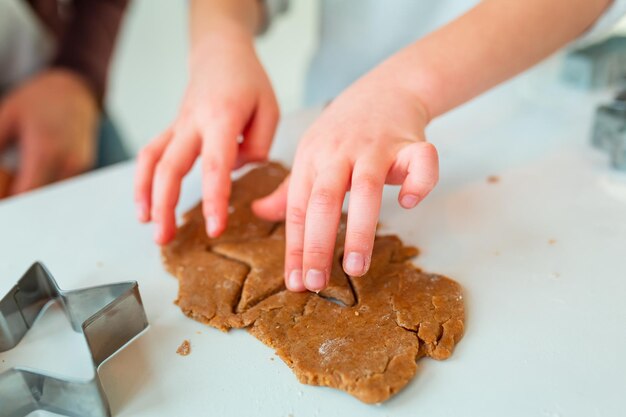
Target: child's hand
x,y
229,96
370,135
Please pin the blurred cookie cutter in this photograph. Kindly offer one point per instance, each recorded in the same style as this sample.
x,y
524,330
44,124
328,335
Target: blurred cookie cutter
x,y
609,130
109,317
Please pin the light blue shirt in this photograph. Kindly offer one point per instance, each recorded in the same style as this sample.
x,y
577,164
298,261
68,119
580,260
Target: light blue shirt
x,y
356,35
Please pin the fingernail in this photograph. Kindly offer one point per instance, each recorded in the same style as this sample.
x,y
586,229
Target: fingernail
x,y
409,201
315,280
294,281
158,235
354,264
212,226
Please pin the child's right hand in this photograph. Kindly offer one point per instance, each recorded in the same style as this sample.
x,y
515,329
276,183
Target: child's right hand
x,y
228,96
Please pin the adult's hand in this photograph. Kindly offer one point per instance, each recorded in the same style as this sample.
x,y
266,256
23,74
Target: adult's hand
x,y
52,119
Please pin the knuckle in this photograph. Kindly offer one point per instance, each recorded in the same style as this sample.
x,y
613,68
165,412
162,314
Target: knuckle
x,y
224,108
209,209
360,237
162,208
167,168
430,150
336,142
296,215
157,211
324,199
145,155
424,185
215,197
148,154
430,181
295,253
208,205
211,165
366,184
318,250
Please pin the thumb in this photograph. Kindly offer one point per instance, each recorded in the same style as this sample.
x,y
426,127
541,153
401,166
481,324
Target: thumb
x,y
418,164
259,134
37,163
273,206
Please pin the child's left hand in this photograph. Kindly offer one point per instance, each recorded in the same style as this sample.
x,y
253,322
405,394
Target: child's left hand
x,y
371,135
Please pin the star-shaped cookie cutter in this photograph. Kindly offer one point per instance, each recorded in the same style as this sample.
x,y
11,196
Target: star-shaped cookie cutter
x,y
109,316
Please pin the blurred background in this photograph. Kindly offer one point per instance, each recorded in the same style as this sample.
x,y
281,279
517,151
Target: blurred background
x,y
149,70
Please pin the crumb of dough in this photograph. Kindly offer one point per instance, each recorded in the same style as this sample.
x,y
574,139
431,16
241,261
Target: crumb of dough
x,y
552,242
184,349
493,179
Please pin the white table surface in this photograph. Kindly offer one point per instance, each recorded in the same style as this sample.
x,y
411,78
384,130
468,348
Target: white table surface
x,y
546,322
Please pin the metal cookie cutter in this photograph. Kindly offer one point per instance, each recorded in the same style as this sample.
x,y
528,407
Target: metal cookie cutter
x,y
109,316
609,130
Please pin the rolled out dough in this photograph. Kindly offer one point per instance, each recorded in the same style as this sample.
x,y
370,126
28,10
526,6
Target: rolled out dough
x,y
361,335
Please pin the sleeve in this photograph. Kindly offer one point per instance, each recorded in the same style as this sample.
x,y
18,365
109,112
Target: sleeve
x,y
88,41
271,9
601,28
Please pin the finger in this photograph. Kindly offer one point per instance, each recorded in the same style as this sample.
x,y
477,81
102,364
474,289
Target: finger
x,y
37,162
175,163
368,180
219,150
419,163
259,135
273,206
321,223
147,161
299,189
81,160
8,123
74,165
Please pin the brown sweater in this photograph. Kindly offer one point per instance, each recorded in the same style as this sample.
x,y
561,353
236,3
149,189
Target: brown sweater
x,y
86,31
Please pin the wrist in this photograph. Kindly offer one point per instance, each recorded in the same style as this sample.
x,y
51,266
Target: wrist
x,y
78,80
399,81
70,79
243,17
419,80
221,36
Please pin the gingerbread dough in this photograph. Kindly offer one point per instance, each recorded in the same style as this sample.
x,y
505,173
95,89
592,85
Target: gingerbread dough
x,y
362,335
